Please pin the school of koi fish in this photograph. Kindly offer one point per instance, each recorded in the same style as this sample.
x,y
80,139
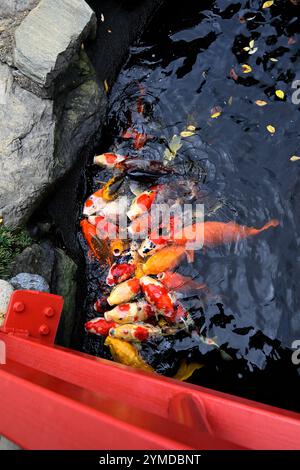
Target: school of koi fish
x,y
144,300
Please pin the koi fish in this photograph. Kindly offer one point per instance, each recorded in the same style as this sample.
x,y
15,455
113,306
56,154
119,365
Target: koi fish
x,y
115,209
94,204
139,138
124,292
177,282
99,248
216,233
111,188
138,169
118,246
158,296
186,370
141,204
109,159
105,228
135,332
123,268
125,353
101,305
99,326
166,259
140,225
130,312
149,247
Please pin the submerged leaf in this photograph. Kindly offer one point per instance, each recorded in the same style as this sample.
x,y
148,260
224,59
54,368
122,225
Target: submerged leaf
x,y
246,68
268,4
186,370
106,87
261,103
280,94
271,129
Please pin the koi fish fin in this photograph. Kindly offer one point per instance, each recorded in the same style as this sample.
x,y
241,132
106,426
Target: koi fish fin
x,y
186,370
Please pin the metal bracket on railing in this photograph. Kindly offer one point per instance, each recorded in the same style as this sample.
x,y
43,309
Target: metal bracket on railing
x,y
34,315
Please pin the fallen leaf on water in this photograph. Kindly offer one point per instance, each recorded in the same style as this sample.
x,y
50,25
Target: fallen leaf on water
x,y
191,128
268,4
102,17
215,112
261,103
173,147
106,87
233,74
109,31
251,44
187,133
272,59
252,51
246,68
294,158
230,101
271,129
280,94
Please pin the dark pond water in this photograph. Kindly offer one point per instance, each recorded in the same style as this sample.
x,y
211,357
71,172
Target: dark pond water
x,y
186,67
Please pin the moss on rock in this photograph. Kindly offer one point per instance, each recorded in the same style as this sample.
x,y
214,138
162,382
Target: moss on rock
x,y
12,242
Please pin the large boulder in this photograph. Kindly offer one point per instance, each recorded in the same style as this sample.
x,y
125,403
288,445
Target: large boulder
x,y
49,37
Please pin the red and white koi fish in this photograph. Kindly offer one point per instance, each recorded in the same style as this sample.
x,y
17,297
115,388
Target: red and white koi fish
x,y
140,225
101,305
139,138
158,296
176,282
99,326
105,228
109,159
123,268
130,312
149,247
135,332
94,204
141,204
124,292
115,209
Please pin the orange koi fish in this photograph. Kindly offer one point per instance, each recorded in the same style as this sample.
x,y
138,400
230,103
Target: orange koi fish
x,y
135,332
109,159
179,283
141,204
99,326
130,312
99,248
124,292
158,296
104,228
149,247
217,233
166,259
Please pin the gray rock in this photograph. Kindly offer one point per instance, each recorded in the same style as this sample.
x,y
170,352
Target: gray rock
x,y
11,7
6,289
50,36
42,139
36,259
26,281
65,284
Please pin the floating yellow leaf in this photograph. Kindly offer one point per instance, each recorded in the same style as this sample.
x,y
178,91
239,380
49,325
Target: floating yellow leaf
x,y
268,4
261,103
106,87
252,51
246,68
280,94
294,158
215,115
215,112
191,128
187,133
247,48
271,129
173,146
185,370
273,59
251,44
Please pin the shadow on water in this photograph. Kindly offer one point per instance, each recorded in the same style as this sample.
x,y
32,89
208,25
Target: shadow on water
x,y
186,66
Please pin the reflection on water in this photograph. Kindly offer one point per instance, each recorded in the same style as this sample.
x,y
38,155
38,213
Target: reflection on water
x,y
187,67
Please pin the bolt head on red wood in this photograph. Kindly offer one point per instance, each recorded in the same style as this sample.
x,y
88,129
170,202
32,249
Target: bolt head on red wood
x,y
19,307
49,312
44,330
